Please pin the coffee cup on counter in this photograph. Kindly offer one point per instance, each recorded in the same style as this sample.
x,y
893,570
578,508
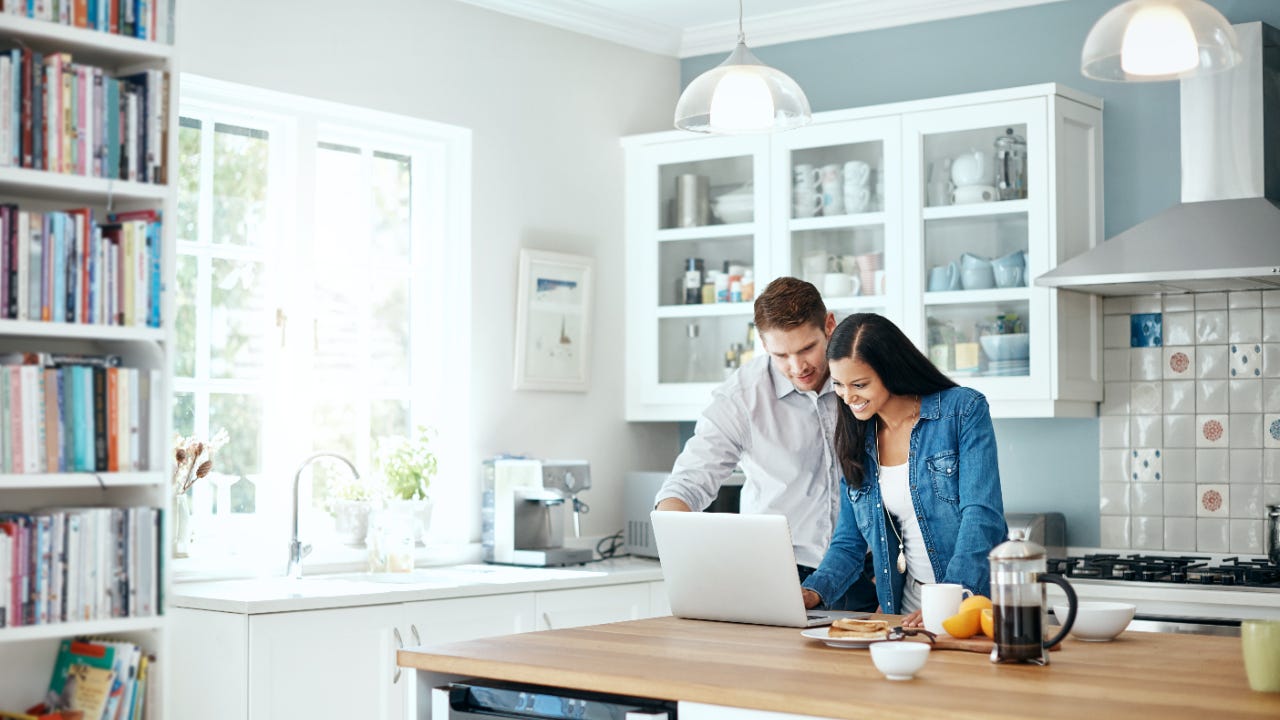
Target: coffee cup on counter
x,y
939,601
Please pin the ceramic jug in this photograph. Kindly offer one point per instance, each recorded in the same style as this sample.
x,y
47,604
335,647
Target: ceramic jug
x,y
969,168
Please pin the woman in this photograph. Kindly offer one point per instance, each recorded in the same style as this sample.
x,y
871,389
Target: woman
x,y
910,439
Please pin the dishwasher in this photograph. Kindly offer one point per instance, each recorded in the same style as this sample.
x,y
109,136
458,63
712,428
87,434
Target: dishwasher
x,y
481,699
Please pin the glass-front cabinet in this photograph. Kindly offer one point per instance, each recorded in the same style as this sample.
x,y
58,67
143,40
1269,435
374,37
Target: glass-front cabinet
x,y
938,214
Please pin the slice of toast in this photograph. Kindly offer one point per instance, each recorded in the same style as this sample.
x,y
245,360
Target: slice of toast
x,y
858,629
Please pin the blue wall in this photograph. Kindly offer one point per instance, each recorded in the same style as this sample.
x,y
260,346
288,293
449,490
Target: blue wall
x,y
1044,464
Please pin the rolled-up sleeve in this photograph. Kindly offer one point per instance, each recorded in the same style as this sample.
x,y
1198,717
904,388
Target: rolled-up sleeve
x,y
719,440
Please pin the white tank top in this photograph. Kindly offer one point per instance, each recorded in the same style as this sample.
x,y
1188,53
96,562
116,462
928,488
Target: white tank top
x,y
896,495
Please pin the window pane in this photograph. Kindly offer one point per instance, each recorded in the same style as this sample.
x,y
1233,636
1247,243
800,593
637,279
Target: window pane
x,y
389,341
391,229
184,414
388,418
188,178
184,351
239,185
241,416
333,429
341,232
237,315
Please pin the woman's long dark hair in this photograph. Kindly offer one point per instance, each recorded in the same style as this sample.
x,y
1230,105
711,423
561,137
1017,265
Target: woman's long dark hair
x,y
902,368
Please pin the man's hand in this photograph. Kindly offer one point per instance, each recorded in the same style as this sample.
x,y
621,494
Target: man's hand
x,y
811,598
674,504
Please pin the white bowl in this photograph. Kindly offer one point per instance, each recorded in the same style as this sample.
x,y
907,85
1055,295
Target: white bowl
x,y
734,207
1013,346
1097,621
899,660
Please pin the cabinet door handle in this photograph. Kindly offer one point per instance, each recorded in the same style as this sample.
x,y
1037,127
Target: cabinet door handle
x,y
413,631
399,645
546,618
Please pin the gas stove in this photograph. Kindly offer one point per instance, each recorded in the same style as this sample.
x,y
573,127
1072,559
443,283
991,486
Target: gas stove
x,y
1224,572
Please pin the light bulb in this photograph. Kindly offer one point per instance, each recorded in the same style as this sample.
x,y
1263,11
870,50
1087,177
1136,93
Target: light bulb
x,y
1158,41
741,103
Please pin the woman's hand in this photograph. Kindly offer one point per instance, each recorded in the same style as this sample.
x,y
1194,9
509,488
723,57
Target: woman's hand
x,y
811,598
913,620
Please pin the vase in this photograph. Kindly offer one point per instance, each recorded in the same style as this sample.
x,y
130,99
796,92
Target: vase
x,y
351,521
181,525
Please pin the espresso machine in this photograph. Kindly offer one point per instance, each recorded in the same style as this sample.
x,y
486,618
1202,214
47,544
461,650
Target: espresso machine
x,y
524,507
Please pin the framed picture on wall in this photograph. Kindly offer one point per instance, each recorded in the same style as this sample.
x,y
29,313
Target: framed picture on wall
x,y
553,321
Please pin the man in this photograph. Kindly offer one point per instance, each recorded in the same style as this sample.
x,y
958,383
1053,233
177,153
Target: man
x,y
775,418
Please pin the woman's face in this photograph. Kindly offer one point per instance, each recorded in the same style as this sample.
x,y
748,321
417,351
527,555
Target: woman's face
x,y
859,387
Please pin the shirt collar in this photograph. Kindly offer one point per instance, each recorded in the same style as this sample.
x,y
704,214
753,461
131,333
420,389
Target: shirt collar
x,y
931,406
782,385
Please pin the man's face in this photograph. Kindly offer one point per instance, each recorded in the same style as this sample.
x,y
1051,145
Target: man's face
x,y
800,353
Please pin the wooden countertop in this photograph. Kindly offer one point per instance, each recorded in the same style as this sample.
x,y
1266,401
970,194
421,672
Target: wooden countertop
x,y
1139,675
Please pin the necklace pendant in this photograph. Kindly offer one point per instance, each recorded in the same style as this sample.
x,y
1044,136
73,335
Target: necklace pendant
x,y
902,560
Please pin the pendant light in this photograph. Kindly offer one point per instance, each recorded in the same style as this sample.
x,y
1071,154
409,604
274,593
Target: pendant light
x,y
742,95
1150,40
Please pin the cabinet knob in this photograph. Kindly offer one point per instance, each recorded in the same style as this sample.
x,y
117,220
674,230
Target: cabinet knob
x,y
399,645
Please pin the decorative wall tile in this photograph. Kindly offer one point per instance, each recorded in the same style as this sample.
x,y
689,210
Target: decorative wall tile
x,y
1270,325
1211,431
1178,303
1179,396
1246,501
1144,330
1271,396
1148,532
1113,431
1146,398
1113,498
1148,498
1117,305
1211,326
1180,534
1212,466
1213,501
1246,395
1271,430
1146,430
1213,535
1271,359
1179,328
1246,467
1179,466
1179,431
1211,362
1271,466
1245,430
1244,299
1113,466
1212,397
1246,360
1247,537
1115,331
1115,364
1146,465
1179,499
1211,301
1245,326
1179,362
1115,531
1115,398
1146,364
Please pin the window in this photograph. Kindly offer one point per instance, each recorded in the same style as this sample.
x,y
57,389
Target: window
x,y
317,244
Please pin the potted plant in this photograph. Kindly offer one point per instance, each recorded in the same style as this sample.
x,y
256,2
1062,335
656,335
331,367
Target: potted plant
x,y
408,466
350,501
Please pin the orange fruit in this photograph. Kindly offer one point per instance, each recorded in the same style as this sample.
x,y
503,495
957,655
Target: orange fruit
x,y
988,623
975,601
963,624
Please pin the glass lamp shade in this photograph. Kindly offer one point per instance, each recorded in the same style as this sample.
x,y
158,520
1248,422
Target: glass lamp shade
x,y
1152,40
742,95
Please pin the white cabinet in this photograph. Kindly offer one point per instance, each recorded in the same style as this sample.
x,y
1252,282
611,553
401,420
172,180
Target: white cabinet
x,y
848,206
559,609
659,603
432,622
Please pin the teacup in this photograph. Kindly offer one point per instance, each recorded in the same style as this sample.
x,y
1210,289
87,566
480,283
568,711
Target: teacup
x,y
978,278
943,278
1007,275
837,284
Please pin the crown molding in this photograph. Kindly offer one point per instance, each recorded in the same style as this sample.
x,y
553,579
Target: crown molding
x,y
590,18
834,18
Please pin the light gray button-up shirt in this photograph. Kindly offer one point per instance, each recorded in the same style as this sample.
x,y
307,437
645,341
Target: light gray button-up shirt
x,y
783,440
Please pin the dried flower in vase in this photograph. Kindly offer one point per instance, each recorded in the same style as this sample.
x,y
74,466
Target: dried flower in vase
x,y
193,459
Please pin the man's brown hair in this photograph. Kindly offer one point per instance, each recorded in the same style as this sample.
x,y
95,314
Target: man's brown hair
x,y
789,303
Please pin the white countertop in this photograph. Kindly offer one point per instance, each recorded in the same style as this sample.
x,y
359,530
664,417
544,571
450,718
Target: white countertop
x,y
254,596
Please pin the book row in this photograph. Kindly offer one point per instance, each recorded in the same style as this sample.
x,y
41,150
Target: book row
x,y
77,417
97,679
79,564
142,19
65,267
68,117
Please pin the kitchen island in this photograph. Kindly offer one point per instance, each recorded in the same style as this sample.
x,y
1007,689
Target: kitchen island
x,y
718,670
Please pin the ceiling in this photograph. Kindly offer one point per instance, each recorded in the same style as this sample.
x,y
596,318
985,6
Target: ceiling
x,y
686,28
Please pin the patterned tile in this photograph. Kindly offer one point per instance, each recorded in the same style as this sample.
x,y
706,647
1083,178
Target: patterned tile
x,y
1144,330
1271,430
1211,431
1146,465
1213,501
1246,360
1179,362
1245,326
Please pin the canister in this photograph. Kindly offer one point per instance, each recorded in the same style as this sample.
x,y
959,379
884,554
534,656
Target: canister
x,y
693,207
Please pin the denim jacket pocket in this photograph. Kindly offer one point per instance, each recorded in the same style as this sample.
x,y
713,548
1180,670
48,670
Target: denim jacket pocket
x,y
944,472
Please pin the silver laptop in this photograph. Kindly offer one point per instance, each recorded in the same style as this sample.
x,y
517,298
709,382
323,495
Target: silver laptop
x,y
735,568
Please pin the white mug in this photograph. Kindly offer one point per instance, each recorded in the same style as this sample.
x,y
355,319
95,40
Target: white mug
x,y
856,199
857,172
807,177
807,203
816,263
837,284
940,601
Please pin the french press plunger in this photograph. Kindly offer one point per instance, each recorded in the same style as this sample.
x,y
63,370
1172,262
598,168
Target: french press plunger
x,y
1017,595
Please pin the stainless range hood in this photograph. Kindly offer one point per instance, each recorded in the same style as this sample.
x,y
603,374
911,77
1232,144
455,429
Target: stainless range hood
x,y
1225,234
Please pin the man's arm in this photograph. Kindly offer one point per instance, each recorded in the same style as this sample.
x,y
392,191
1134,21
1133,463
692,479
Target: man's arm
x,y
710,456
674,504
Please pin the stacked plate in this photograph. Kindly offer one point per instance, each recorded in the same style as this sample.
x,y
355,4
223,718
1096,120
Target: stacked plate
x,y
1009,367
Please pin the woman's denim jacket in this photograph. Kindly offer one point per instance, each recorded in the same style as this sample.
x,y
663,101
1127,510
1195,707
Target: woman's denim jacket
x,y
955,488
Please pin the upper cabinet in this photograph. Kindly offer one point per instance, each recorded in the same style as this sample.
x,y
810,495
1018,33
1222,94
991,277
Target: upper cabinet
x,y
937,214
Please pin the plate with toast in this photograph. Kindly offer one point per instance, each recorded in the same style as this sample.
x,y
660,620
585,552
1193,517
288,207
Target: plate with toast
x,y
850,632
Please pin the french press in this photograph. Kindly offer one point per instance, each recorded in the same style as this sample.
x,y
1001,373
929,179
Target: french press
x,y
1011,166
1017,596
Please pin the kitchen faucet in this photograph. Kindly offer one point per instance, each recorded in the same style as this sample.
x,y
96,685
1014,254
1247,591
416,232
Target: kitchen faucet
x,y
297,550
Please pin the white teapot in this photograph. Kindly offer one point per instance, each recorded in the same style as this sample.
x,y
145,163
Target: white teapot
x,y
970,168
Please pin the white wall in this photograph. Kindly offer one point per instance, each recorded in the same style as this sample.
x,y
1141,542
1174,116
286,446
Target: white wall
x,y
547,108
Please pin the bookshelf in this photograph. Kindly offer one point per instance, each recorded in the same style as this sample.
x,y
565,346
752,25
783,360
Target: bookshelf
x,y
27,652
